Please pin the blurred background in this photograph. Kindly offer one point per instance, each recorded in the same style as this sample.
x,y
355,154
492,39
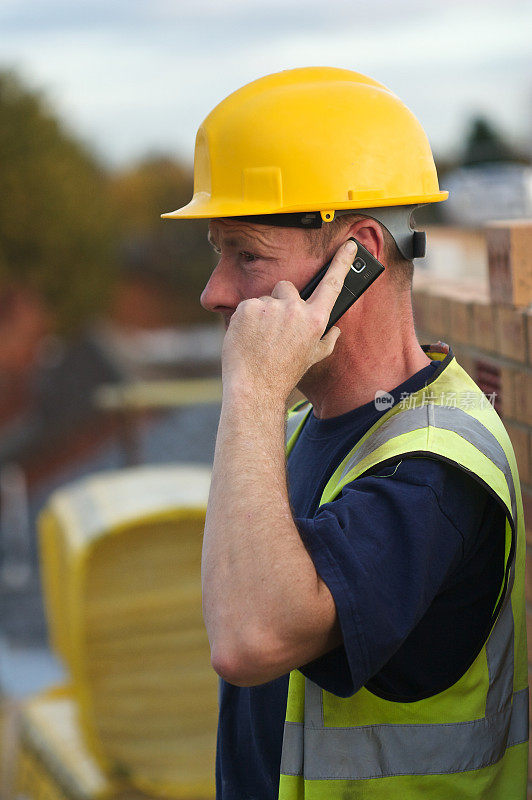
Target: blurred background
x,y
107,360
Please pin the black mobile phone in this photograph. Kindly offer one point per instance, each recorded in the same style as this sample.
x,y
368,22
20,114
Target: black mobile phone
x,y
364,270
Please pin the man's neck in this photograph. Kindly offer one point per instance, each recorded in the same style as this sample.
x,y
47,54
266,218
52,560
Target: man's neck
x,y
356,371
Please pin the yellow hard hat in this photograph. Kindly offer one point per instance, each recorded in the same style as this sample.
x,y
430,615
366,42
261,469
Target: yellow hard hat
x,y
315,139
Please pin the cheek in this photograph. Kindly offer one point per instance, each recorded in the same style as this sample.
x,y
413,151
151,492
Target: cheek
x,y
305,270
259,286
258,281
299,268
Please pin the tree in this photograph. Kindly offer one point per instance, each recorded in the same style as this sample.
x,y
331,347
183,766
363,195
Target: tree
x,y
56,226
174,252
484,144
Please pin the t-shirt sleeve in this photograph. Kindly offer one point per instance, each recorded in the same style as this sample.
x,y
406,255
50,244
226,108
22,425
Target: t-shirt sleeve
x,y
385,547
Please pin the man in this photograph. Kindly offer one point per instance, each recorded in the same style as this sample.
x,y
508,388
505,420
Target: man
x,y
387,578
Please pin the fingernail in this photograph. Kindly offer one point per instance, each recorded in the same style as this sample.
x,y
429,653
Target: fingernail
x,y
351,246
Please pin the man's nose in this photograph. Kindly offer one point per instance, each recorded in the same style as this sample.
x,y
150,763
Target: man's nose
x,y
219,293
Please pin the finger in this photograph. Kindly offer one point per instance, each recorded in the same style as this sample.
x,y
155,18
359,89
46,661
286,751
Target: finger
x,y
328,342
326,292
285,290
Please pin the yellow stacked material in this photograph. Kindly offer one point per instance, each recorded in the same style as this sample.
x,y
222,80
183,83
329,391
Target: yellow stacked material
x,y
121,567
52,761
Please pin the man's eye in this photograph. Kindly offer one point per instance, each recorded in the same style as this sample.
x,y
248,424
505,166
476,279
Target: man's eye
x,y
247,256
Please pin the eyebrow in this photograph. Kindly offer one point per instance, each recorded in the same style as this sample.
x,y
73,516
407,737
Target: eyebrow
x,y
241,240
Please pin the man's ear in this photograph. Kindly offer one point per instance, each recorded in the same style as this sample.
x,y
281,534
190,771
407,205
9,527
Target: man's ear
x,y
369,233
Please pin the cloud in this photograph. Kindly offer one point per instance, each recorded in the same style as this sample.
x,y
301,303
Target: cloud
x,y
135,76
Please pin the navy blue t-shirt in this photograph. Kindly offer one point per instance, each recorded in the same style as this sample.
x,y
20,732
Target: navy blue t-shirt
x,y
413,555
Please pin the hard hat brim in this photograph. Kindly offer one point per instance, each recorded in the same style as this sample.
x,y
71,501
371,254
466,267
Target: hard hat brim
x,y
202,206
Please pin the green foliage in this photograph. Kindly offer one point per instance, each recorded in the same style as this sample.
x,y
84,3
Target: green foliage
x,y
56,227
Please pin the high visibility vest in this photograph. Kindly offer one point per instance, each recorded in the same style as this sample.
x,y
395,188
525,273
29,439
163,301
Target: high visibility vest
x,y
470,740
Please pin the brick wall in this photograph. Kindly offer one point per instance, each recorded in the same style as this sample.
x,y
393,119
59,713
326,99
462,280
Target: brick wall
x,y
492,340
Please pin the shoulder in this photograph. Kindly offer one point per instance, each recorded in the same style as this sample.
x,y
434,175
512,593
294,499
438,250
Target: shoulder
x,y
421,486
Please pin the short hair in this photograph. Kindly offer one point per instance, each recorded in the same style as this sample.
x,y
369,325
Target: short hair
x,y
320,241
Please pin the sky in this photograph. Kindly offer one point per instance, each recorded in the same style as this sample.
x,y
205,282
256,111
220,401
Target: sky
x,y
132,77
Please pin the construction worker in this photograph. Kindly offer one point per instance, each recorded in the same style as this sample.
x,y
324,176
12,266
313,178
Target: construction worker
x,y
362,588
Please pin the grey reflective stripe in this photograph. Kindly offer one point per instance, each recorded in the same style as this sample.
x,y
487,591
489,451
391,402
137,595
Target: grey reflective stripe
x,y
379,751
445,417
294,420
519,722
500,654
292,753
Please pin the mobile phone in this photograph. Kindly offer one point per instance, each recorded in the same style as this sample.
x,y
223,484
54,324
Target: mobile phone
x,y
364,270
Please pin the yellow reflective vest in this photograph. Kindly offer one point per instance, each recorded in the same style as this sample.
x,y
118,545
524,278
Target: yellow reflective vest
x,y
468,742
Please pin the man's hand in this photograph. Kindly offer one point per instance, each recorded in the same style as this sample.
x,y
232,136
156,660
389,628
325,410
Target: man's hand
x,y
272,341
